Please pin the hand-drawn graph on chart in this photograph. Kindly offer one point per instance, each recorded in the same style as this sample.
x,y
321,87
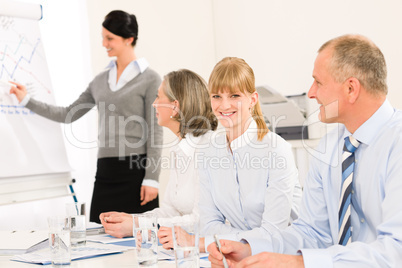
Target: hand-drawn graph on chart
x,y
22,59
29,144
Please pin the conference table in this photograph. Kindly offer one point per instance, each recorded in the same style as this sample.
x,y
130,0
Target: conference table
x,y
125,259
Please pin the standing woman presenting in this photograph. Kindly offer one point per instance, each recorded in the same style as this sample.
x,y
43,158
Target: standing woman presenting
x,y
129,136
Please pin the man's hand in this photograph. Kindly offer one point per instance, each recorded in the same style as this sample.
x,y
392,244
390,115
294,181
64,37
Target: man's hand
x,y
233,251
117,224
272,260
148,194
18,90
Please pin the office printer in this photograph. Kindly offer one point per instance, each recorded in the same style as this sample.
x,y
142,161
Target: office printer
x,y
292,117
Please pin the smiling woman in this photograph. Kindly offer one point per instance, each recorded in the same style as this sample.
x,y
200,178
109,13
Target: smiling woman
x,y
234,98
252,180
233,110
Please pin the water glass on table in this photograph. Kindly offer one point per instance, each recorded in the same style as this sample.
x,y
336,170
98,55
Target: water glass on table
x,y
145,233
186,243
59,240
76,211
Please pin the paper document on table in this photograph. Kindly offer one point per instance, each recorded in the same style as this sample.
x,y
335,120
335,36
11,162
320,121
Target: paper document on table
x,y
107,239
168,255
19,242
165,254
91,250
94,228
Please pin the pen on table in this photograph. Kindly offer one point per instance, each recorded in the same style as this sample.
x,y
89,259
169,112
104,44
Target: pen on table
x,y
95,231
218,245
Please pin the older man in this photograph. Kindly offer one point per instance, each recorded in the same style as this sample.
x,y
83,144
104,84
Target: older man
x,y
351,213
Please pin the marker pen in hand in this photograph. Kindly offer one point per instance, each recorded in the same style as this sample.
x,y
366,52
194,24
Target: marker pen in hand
x,y
218,245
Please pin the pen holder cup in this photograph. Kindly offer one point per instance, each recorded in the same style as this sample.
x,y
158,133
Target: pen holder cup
x,y
186,243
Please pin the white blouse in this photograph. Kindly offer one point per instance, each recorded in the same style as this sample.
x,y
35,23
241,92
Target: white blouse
x,y
182,192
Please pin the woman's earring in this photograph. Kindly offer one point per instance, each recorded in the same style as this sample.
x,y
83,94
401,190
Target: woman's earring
x,y
174,107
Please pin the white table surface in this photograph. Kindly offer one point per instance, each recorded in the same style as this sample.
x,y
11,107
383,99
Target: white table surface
x,y
125,259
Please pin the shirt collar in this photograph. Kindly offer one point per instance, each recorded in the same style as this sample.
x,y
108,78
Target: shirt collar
x,y
369,129
111,64
133,69
141,63
189,144
245,138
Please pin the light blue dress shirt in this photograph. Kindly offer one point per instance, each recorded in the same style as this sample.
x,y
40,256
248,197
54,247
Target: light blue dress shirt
x,y
256,189
376,201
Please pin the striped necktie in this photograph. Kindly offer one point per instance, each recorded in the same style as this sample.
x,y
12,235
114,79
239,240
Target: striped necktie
x,y
345,204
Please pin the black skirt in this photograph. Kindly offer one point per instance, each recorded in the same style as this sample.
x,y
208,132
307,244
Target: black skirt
x,y
118,186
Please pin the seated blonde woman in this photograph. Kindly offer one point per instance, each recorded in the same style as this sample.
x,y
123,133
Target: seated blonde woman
x,y
249,182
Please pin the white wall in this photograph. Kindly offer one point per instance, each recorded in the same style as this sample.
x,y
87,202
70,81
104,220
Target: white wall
x,y
67,46
279,39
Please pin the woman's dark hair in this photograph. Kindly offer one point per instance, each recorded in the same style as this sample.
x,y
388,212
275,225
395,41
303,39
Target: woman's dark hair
x,y
122,24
